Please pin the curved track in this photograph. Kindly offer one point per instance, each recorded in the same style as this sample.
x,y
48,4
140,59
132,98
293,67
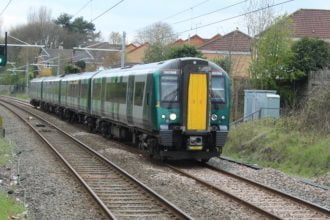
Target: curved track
x,y
120,195
261,198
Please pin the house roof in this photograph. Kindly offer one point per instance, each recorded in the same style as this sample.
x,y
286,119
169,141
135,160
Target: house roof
x,y
311,23
139,47
235,41
199,41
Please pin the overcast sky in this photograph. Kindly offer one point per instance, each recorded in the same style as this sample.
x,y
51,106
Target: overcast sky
x,y
132,15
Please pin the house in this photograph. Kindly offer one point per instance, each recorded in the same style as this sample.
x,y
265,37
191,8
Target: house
x,y
235,45
137,55
311,23
195,40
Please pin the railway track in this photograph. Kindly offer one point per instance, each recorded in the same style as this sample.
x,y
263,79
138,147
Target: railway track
x,y
265,200
268,201
120,195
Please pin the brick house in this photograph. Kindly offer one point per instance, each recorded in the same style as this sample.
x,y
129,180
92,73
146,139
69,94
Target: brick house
x,y
136,55
311,23
235,45
195,40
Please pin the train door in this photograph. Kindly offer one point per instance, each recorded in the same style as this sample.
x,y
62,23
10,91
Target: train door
x,y
195,95
130,91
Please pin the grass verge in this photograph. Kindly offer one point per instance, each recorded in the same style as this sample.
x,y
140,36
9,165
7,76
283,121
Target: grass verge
x,y
8,206
22,96
278,144
5,151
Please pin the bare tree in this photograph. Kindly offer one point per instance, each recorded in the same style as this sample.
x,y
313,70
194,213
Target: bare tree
x,y
159,33
258,21
115,38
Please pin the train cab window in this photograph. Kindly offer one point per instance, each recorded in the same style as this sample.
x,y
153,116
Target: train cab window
x,y
218,89
169,88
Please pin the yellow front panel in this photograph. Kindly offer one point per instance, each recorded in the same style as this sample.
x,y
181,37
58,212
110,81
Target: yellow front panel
x,y
197,102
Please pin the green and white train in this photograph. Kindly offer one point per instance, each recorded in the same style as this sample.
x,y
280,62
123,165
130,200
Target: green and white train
x,y
174,109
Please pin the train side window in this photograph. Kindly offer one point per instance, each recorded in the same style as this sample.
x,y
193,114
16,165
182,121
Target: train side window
x,y
116,92
138,93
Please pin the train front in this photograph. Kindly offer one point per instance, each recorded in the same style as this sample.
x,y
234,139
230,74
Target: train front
x,y
192,109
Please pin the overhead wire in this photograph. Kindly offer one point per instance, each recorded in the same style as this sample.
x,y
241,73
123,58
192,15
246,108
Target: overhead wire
x,y
185,10
82,8
5,8
217,10
236,16
106,11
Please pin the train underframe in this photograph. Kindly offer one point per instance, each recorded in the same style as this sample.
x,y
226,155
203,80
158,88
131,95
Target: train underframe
x,y
172,144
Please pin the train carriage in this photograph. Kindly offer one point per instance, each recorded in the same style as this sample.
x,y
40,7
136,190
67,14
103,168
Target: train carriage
x,y
35,90
174,109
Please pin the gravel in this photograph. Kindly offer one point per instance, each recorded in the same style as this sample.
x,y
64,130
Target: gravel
x,y
48,189
192,198
186,193
278,180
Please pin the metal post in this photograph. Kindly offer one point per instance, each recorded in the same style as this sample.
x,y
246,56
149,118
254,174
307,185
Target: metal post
x,y
123,46
58,65
27,78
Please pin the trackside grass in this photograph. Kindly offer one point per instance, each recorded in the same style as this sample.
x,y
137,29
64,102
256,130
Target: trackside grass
x,y
278,144
5,151
8,206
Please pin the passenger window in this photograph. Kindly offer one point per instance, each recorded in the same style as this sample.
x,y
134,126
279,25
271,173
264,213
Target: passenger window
x,y
138,93
116,92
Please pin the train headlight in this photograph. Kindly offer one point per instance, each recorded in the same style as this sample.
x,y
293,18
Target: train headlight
x,y
172,116
223,117
163,116
214,117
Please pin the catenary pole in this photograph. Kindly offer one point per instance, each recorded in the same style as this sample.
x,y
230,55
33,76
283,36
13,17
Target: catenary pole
x,y
123,45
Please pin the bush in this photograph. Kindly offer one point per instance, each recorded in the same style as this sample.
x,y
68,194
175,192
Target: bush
x,y
316,113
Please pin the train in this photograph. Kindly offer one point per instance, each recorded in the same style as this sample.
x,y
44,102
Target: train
x,y
173,110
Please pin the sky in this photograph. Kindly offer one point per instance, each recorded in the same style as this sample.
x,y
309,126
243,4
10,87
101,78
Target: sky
x,y
133,15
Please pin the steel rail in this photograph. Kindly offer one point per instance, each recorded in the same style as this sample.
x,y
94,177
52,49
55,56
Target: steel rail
x,y
219,190
270,189
278,192
161,199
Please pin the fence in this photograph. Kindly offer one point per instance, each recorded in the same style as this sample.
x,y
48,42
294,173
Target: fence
x,y
253,116
318,78
7,89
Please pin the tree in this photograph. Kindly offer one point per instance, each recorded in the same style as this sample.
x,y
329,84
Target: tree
x,y
273,56
311,55
76,32
156,52
157,33
260,20
271,66
81,64
70,68
225,63
115,38
183,51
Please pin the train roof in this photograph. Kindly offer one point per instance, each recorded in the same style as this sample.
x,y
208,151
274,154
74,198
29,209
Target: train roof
x,y
78,76
145,68
136,69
